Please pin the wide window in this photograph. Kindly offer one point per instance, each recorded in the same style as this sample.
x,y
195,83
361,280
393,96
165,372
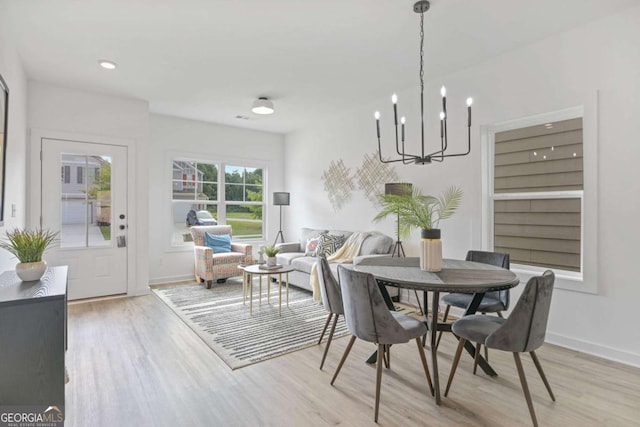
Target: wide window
x,y
538,190
208,193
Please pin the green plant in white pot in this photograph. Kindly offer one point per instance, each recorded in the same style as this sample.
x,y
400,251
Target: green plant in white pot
x,y
28,246
271,252
416,210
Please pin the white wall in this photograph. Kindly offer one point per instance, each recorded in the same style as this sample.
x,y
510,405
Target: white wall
x,y
60,110
171,137
553,74
15,187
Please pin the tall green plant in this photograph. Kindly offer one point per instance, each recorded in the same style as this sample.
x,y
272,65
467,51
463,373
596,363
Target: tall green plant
x,y
28,245
419,211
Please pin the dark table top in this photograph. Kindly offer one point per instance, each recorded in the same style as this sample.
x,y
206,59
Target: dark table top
x,y
52,285
456,275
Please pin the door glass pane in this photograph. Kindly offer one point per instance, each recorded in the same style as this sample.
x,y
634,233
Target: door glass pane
x,y
85,202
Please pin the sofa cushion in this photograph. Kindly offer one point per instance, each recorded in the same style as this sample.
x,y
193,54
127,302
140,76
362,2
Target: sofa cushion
x,y
344,233
309,233
287,258
329,243
312,246
304,264
376,243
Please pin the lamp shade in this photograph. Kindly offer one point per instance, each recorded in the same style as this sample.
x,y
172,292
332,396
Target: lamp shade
x,y
262,106
281,199
398,188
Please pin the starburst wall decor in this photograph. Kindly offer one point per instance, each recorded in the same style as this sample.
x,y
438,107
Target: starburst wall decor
x,y
338,184
370,177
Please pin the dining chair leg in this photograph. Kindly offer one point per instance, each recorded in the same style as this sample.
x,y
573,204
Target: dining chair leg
x,y
344,357
325,327
445,316
378,378
423,358
542,375
476,358
525,388
326,349
387,361
454,366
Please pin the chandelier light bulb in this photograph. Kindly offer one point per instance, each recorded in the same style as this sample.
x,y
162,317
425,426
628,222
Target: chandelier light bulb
x,y
377,115
469,101
441,115
394,98
402,120
443,91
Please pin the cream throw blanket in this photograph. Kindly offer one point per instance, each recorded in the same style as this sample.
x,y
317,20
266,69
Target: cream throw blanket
x,y
345,254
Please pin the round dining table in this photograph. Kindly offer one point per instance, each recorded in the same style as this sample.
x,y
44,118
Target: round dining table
x,y
455,276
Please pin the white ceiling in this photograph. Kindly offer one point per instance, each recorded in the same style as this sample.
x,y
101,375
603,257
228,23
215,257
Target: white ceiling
x,y
208,59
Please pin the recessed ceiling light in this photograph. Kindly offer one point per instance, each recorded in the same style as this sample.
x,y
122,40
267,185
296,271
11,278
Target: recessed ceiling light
x,y
107,65
262,106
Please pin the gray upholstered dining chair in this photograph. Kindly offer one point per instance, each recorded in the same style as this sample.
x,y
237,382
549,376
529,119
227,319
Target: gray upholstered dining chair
x,y
331,300
368,318
523,331
493,302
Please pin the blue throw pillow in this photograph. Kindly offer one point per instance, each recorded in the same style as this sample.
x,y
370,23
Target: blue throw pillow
x,y
220,243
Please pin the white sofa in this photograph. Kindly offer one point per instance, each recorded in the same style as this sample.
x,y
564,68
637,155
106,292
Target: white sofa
x,y
293,253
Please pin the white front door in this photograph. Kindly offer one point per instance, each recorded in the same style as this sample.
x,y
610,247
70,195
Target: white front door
x,y
84,197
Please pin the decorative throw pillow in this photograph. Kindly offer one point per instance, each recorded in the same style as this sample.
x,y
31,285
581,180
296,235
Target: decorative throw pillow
x,y
220,243
312,246
329,243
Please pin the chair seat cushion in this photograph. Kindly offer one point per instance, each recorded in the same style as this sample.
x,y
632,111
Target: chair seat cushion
x,y
487,305
476,327
413,327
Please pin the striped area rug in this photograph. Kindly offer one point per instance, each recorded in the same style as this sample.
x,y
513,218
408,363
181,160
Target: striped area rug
x,y
223,322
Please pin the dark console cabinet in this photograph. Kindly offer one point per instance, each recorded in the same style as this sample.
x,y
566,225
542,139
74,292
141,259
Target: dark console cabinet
x,y
33,329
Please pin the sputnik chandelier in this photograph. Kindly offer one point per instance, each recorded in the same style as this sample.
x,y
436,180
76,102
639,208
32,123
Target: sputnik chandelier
x,y
437,156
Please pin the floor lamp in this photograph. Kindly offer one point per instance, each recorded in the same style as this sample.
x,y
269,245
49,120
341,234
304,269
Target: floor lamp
x,y
398,189
280,199
404,189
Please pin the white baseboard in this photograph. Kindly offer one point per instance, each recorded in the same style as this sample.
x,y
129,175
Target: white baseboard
x,y
595,349
171,279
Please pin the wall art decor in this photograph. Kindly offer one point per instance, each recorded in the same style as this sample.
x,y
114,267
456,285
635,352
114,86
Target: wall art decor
x,y
338,184
372,175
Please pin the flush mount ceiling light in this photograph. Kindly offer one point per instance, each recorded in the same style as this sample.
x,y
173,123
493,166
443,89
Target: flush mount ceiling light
x,y
262,106
107,65
423,157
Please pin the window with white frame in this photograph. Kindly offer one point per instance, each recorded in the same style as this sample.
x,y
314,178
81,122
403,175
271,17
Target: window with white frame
x,y
209,193
538,189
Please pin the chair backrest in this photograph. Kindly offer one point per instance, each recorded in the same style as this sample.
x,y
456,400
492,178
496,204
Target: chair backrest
x,y
365,312
526,326
499,260
197,232
329,287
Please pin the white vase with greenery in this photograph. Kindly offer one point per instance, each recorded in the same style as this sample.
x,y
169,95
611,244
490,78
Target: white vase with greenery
x,y
416,210
271,252
29,246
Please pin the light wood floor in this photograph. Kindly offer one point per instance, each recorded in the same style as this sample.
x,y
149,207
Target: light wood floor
x,y
132,362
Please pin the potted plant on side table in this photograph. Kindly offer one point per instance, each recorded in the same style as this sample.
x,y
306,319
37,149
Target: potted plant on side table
x,y
416,210
28,246
271,252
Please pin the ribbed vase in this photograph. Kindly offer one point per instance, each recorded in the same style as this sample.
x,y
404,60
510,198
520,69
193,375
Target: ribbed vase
x,y
431,250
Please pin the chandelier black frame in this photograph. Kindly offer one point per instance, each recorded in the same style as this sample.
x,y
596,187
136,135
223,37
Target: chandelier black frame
x,y
437,156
